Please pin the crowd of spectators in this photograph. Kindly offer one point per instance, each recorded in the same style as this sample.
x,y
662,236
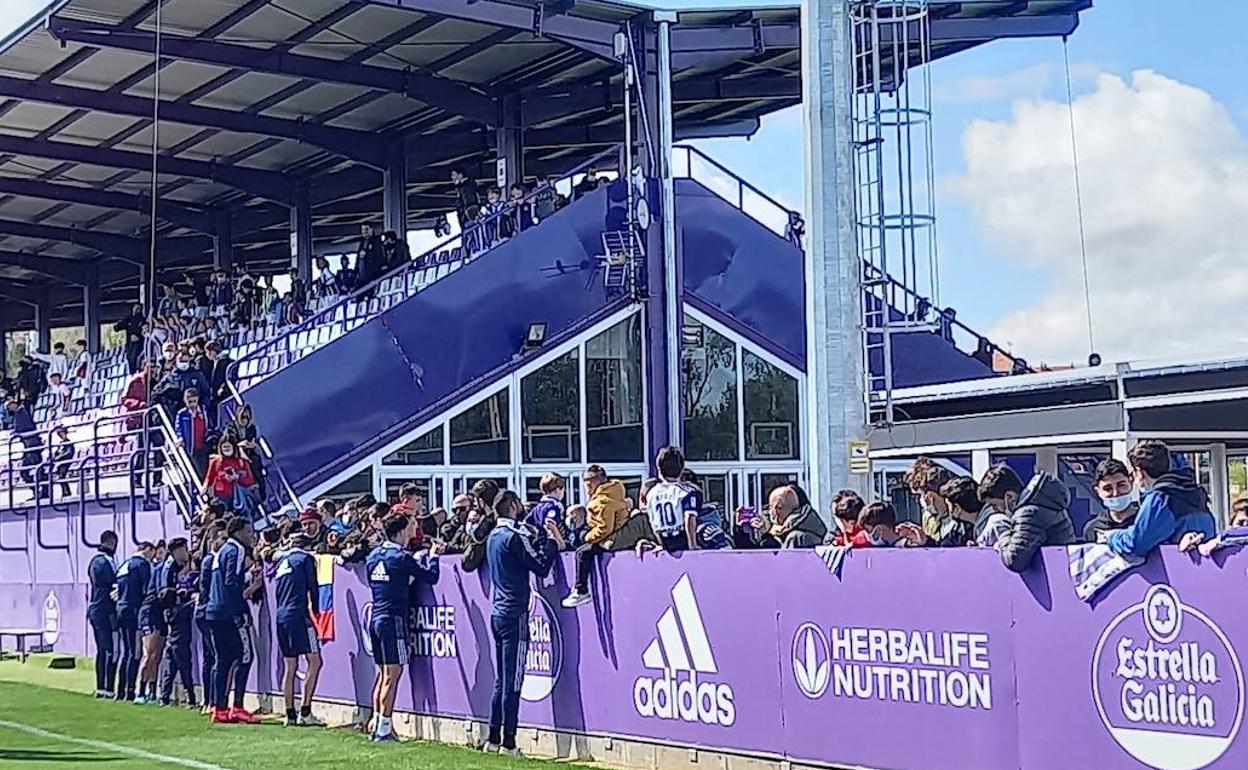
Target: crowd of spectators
x,y
1146,505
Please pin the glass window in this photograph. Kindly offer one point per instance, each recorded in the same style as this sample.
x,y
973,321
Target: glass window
x,y
359,484
550,405
771,409
429,489
709,391
479,436
425,450
613,406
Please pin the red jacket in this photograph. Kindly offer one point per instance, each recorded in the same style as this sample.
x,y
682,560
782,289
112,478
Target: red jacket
x,y
134,399
215,479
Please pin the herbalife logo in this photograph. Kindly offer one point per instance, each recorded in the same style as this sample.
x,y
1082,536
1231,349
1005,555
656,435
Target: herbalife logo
x,y
810,660
682,653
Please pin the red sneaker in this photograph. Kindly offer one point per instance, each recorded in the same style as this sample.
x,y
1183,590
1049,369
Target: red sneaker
x,y
244,716
222,717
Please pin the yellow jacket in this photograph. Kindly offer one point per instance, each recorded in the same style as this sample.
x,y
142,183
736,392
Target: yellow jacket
x,y
608,510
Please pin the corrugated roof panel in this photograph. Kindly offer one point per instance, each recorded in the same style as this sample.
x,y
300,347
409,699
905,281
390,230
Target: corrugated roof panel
x,y
246,90
34,54
95,174
283,155
197,15
170,134
221,146
29,117
104,69
177,78
377,113
271,25
94,128
315,100
488,65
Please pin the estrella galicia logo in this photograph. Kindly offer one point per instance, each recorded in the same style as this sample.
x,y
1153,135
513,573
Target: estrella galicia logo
x,y
51,619
681,653
1168,684
811,664
543,658
366,621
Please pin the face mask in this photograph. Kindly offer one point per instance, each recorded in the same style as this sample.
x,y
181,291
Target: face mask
x,y
227,451
471,528
1119,503
183,366
877,540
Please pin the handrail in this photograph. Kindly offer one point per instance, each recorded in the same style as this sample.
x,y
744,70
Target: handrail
x,y
82,498
690,153
416,263
267,452
182,465
948,320
18,548
39,526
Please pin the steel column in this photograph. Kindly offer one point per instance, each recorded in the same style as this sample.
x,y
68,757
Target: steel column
x,y
91,317
301,234
836,404
394,191
510,142
43,321
223,241
667,211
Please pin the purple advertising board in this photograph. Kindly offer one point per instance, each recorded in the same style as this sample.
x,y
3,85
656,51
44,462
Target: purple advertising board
x,y
905,660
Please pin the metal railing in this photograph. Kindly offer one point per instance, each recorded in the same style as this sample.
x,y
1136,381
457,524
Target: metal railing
x,y
339,316
691,163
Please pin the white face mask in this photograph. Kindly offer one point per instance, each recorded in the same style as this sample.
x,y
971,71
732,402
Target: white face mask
x,y
1120,502
183,366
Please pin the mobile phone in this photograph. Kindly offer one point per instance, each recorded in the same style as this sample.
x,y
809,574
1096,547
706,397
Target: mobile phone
x,y
745,513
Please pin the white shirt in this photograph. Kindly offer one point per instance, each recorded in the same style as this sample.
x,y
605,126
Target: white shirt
x,y
669,504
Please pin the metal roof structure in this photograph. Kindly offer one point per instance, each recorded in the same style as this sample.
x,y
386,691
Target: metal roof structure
x,y
264,103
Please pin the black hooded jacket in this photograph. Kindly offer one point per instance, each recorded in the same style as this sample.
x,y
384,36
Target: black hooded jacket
x,y
1039,519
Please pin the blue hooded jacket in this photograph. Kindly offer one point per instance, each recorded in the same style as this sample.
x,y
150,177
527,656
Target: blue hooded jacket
x,y
1174,506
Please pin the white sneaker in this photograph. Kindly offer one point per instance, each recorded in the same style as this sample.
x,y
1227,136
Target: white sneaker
x,y
509,752
490,748
310,721
576,599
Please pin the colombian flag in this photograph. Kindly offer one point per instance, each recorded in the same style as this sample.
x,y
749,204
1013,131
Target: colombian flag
x,y
324,620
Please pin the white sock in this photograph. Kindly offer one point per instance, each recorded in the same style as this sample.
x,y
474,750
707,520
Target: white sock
x,y
383,726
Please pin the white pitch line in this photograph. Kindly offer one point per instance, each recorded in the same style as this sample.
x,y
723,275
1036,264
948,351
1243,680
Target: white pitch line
x,y
113,747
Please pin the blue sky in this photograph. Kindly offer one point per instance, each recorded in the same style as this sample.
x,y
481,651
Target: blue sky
x,y
1162,114
981,279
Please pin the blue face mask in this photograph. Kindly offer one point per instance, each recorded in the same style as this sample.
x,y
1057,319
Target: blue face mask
x,y
471,528
1119,503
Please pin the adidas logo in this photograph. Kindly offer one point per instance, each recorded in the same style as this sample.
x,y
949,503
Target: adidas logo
x,y
682,653
379,574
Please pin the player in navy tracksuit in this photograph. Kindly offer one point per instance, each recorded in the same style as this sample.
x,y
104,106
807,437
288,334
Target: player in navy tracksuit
x,y
153,622
132,579
179,607
207,656
175,604
102,614
513,553
391,571
226,612
298,599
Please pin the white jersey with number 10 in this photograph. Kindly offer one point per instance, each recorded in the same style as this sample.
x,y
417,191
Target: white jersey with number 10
x,y
668,504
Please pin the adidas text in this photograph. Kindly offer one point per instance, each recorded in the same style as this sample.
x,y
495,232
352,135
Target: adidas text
x,y
681,696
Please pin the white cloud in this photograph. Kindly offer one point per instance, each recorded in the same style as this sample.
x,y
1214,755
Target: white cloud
x,y
1165,191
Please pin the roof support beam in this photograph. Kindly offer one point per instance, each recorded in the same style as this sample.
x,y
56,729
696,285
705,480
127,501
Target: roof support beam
x,y
261,184
982,29
170,211
108,244
69,270
355,145
589,35
437,91
543,105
